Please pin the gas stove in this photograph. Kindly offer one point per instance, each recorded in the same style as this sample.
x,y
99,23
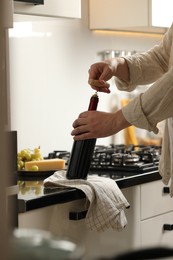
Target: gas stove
x,y
119,161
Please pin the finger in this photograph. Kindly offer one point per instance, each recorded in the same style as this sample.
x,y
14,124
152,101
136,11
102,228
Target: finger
x,y
102,89
93,72
99,85
95,82
78,122
83,114
105,90
75,123
79,130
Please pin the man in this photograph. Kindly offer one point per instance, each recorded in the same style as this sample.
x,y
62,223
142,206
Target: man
x,y
144,111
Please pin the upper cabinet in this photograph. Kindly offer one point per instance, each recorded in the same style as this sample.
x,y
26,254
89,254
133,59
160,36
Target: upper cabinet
x,y
134,15
50,8
161,13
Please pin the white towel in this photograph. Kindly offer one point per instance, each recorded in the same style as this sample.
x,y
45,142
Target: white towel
x,y
106,201
166,160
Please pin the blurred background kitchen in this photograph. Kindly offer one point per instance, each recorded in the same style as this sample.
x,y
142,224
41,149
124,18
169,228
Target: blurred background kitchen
x,y
49,62
44,78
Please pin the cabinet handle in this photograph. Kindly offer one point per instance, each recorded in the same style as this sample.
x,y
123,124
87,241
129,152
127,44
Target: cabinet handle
x,y
166,190
77,215
168,227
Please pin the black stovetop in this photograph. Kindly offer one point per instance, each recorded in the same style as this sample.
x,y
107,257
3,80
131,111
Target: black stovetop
x,y
119,161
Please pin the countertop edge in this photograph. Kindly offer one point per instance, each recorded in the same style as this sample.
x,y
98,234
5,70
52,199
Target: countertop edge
x,y
72,194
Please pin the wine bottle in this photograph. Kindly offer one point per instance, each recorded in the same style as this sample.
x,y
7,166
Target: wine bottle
x,y
82,151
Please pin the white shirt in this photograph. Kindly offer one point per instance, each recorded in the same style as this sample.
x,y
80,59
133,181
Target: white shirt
x,y
156,104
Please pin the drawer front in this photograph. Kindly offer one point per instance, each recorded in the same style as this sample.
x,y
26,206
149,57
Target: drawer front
x,y
152,232
153,200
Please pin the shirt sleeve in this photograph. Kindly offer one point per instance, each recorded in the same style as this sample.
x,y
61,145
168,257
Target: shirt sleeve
x,y
156,104
153,106
146,68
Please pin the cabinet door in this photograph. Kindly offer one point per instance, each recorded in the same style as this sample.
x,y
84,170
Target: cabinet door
x,y
153,200
51,8
152,232
161,11
110,14
125,15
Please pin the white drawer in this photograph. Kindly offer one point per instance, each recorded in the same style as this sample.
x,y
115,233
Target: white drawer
x,y
153,200
152,233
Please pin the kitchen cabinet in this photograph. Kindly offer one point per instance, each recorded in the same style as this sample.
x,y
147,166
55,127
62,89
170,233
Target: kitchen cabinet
x,y
154,201
156,212
134,15
150,209
50,8
161,13
152,232
55,219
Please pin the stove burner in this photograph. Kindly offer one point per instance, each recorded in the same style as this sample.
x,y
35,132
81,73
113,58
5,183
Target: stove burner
x,y
120,160
124,159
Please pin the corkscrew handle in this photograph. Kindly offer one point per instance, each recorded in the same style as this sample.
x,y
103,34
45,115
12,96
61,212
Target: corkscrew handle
x,y
93,102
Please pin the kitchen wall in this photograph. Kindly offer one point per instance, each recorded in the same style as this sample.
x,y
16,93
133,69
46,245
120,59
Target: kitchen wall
x,y
49,65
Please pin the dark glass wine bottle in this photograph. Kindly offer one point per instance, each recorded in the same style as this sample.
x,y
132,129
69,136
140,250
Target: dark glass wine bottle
x,y
82,152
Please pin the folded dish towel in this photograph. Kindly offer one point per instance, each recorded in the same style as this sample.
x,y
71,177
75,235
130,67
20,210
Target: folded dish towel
x,y
166,160
106,201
